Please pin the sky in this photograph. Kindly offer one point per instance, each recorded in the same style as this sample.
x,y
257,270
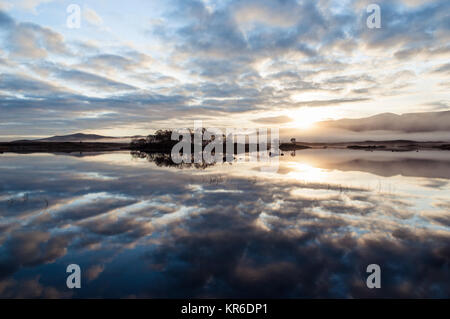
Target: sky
x,y
136,66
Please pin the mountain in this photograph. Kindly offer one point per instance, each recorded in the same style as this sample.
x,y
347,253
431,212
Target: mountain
x,y
407,123
74,138
71,138
81,137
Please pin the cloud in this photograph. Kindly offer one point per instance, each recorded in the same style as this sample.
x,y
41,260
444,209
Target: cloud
x,y
443,69
29,40
92,17
331,102
440,105
32,4
350,79
31,289
5,20
93,272
215,61
408,27
254,13
6,5
129,61
92,80
273,120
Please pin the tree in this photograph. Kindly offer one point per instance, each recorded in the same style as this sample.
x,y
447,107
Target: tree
x,y
293,140
163,135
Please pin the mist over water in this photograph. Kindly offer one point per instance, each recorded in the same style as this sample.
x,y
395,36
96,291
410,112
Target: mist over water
x,y
140,227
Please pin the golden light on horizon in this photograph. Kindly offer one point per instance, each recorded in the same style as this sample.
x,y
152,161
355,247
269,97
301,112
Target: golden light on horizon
x,y
307,117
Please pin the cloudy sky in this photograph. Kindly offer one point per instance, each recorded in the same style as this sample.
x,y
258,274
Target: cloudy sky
x,y
136,66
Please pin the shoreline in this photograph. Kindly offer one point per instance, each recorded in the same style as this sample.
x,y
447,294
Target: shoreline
x,y
87,147
61,147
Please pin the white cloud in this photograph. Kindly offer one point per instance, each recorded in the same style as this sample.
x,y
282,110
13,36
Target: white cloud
x,y
32,4
4,5
92,17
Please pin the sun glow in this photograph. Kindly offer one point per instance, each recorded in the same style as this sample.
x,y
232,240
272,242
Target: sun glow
x,y
306,117
302,171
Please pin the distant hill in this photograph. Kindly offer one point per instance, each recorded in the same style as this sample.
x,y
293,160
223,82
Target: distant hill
x,y
407,123
74,138
81,137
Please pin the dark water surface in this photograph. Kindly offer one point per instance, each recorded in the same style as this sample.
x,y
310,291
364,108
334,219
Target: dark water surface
x,y
142,229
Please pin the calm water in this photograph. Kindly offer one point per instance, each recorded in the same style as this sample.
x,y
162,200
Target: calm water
x,y
140,228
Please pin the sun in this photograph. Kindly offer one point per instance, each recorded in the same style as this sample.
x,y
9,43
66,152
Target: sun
x,y
307,117
303,123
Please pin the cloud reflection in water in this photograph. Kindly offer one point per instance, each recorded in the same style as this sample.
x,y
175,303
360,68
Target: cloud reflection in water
x,y
142,230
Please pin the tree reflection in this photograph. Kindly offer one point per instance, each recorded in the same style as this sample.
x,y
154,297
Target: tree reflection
x,y
165,160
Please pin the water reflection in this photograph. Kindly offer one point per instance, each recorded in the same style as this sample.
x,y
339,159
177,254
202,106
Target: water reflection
x,y
165,160
144,229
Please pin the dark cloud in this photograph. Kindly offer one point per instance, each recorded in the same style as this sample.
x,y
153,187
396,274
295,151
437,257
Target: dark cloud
x,y
443,69
26,85
5,20
93,81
